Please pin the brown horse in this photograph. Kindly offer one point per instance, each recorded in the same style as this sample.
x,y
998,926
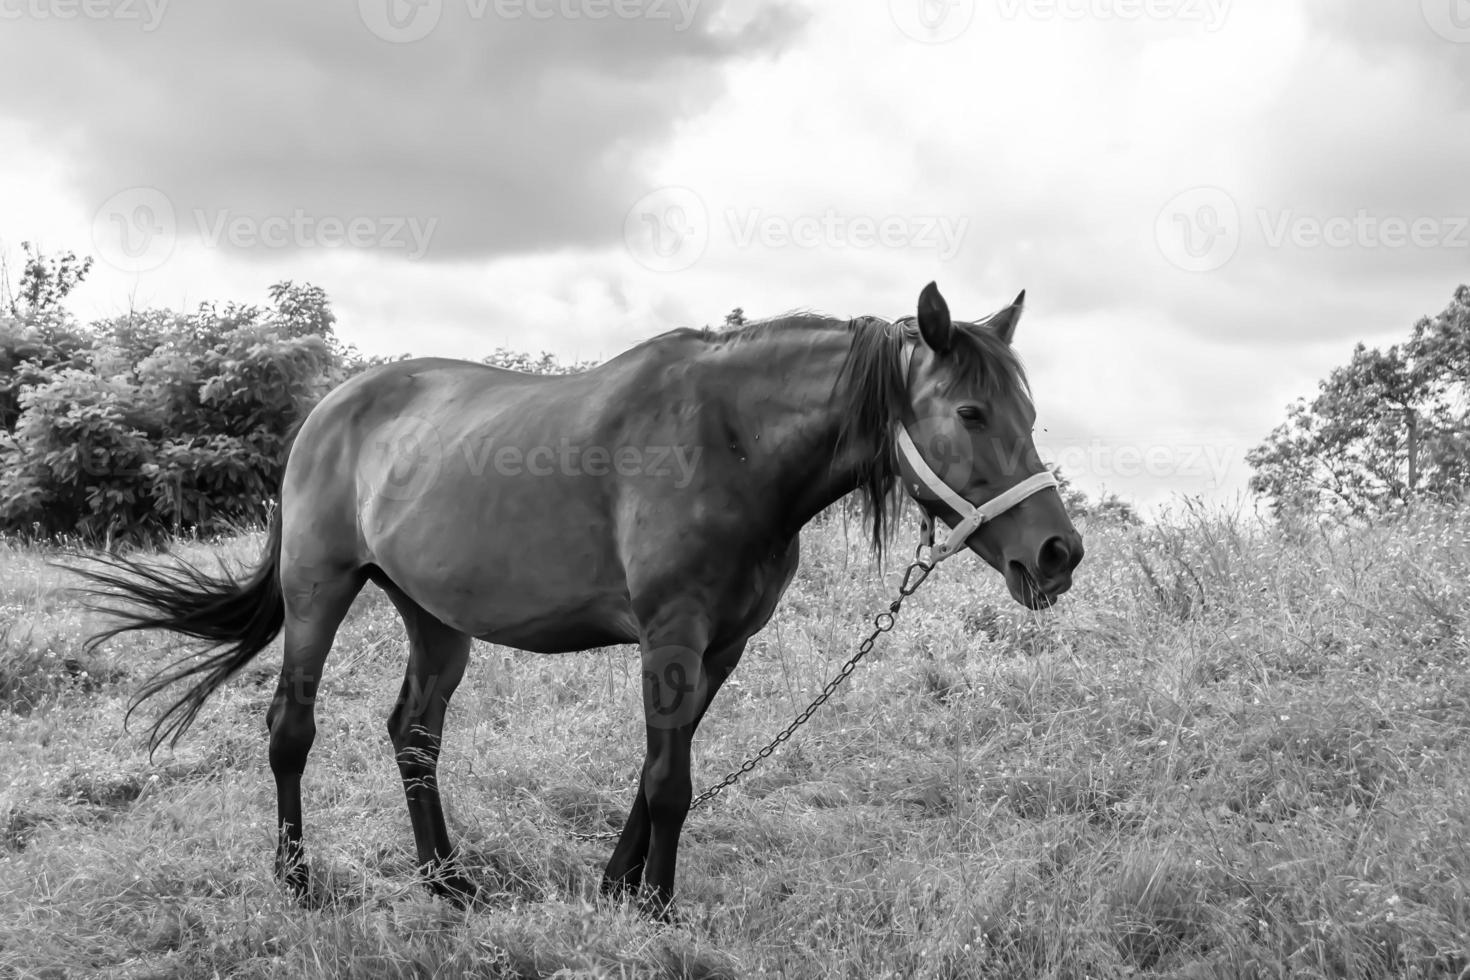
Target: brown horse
x,y
655,500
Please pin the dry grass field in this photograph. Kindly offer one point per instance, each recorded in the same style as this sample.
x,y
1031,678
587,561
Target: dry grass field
x,y
1229,752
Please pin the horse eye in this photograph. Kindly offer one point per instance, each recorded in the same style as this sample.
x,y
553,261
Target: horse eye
x,y
972,414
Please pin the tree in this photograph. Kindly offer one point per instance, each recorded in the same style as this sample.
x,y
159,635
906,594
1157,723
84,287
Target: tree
x,y
1109,507
45,282
544,363
1386,428
735,319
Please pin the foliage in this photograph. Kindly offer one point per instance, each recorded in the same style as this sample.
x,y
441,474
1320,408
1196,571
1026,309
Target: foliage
x,y
155,423
1108,508
1387,428
543,363
45,282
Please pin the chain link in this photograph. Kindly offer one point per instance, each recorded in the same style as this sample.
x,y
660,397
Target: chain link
x,y
913,577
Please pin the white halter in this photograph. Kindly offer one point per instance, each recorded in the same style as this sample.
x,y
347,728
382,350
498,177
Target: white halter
x,y
921,482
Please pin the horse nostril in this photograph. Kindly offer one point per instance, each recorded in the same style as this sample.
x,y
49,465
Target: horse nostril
x,y
1056,558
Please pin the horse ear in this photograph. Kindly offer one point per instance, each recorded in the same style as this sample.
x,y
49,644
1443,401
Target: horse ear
x,y
935,325
1004,322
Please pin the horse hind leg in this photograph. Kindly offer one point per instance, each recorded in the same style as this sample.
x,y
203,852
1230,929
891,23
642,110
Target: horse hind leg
x,y
436,664
313,612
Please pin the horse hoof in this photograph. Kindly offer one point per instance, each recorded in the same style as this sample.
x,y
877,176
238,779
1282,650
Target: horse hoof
x,y
620,889
297,882
296,878
660,908
456,888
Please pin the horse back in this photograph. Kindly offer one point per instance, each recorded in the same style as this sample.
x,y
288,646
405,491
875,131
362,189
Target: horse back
x,y
531,510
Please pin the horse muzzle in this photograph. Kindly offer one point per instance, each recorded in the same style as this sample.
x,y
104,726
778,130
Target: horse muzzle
x,y
1037,583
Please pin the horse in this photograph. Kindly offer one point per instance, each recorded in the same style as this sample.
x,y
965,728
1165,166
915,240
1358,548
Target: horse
x,y
655,499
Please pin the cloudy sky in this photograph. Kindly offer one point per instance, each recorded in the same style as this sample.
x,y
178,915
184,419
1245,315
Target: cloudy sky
x,y
1208,201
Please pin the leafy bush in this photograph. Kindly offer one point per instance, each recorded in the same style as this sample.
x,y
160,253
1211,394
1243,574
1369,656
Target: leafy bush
x,y
153,424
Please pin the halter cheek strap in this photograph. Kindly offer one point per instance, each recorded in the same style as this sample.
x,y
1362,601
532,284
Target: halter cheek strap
x,y
926,487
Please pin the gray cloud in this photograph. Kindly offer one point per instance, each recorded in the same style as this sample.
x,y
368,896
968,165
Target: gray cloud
x,y
1434,32
513,132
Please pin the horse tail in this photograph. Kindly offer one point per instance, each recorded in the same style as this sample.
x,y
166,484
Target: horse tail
x,y
235,617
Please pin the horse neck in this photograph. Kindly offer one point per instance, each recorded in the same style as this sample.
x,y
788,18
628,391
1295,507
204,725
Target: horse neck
x,y
794,396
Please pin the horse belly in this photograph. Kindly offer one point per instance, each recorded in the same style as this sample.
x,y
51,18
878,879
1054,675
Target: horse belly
x,y
534,576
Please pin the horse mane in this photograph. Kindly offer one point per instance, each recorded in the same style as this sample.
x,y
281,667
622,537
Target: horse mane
x,y
871,387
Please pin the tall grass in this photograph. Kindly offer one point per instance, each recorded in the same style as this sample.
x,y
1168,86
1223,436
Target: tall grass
x,y
1230,752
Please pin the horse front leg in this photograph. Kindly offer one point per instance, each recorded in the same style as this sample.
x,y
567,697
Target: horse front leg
x,y
675,691
624,875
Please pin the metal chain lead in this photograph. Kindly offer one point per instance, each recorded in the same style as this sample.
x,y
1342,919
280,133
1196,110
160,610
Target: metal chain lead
x,y
913,576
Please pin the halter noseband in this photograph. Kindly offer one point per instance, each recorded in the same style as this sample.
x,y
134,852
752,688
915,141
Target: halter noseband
x,y
926,486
